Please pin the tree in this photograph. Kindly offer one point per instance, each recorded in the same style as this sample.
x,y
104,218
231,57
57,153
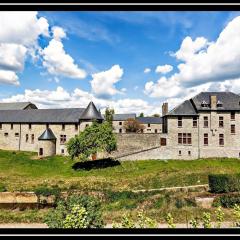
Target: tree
x,y
156,115
133,125
98,137
109,115
141,115
76,211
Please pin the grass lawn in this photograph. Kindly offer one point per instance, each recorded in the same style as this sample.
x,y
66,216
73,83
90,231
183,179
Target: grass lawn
x,y
21,171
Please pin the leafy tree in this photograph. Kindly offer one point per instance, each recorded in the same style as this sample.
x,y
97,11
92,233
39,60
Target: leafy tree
x,y
77,211
109,115
141,115
156,115
98,137
133,125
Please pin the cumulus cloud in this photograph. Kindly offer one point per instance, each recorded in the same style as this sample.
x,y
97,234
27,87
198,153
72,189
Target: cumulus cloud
x,y
58,62
58,33
204,65
18,37
164,69
103,83
147,70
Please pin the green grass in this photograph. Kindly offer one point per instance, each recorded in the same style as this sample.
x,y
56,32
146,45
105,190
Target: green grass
x,y
22,171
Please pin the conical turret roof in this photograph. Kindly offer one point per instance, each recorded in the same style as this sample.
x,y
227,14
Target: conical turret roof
x,y
47,135
91,113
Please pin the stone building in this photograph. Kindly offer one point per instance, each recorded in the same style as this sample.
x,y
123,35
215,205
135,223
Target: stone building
x,y
44,130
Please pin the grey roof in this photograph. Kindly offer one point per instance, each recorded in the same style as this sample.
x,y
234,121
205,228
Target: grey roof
x,y
184,109
151,120
91,113
122,116
47,135
16,105
230,101
67,115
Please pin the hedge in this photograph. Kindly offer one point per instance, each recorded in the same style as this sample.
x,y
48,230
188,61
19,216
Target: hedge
x,y
224,183
227,201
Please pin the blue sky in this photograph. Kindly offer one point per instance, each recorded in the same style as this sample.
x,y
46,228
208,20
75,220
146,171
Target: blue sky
x,y
66,59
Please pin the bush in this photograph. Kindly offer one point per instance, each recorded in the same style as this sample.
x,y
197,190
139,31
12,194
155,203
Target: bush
x,y
227,201
77,211
2,188
224,183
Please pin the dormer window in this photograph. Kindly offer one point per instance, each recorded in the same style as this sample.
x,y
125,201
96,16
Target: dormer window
x,y
204,104
219,103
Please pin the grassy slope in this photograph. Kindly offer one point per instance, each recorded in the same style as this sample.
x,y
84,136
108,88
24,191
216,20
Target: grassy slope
x,y
21,171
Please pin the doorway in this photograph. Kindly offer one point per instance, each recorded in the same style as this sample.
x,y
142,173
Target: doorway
x,y
40,151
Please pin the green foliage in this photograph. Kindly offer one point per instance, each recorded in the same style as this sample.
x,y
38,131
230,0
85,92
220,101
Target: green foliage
x,y
126,222
77,211
223,183
109,115
179,203
194,222
236,212
170,221
206,219
145,222
220,216
98,137
227,201
2,188
141,114
156,115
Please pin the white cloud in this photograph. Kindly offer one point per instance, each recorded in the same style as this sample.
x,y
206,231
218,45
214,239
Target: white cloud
x,y
19,33
147,70
205,66
58,33
58,62
164,69
103,82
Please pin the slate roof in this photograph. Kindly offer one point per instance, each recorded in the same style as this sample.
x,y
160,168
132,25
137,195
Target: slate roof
x,y
47,135
151,120
15,105
185,109
91,112
122,117
67,115
230,101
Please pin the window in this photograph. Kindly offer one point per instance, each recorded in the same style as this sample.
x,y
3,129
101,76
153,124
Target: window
x,y
179,152
185,138
163,141
233,130
221,139
0,126
6,134
205,122
189,153
232,115
11,126
194,121
179,121
32,138
221,122
26,137
30,126
62,151
149,125
141,130
120,123
40,151
63,139
16,134
155,130
205,139
149,130
63,127
120,130
76,127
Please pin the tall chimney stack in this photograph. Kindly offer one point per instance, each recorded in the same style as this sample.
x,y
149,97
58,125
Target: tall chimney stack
x,y
213,101
164,108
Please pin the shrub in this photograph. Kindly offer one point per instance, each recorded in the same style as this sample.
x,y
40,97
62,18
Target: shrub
x,y
170,221
227,201
206,218
2,188
223,183
77,211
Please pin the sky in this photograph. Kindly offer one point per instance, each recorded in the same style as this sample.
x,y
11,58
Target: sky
x,y
129,61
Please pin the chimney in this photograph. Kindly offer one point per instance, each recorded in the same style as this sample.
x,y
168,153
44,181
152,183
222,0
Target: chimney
x,y
213,101
164,108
